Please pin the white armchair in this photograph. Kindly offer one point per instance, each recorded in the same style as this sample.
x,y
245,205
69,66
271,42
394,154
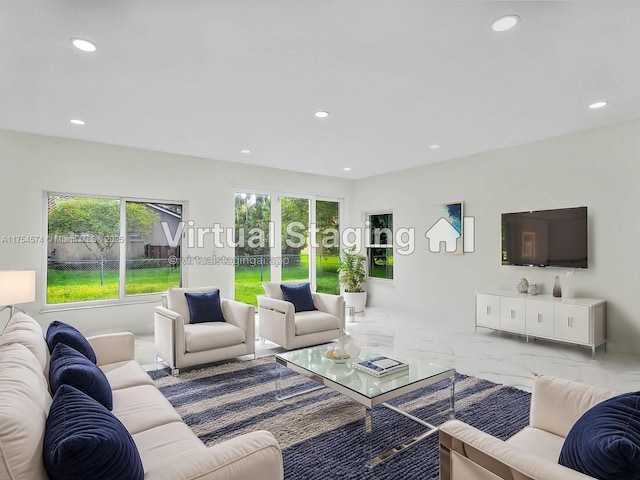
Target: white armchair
x,y
182,344
279,323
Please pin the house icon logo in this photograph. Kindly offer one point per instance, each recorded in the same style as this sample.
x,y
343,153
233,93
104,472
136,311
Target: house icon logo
x,y
444,232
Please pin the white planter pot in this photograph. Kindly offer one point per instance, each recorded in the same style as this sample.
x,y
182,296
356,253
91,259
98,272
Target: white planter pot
x,y
357,300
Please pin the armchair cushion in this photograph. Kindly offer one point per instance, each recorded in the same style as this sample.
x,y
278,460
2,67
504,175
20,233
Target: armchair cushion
x,y
605,442
299,295
62,332
204,307
200,337
70,367
316,321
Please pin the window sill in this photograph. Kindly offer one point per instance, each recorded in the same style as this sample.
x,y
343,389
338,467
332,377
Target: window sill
x,y
137,300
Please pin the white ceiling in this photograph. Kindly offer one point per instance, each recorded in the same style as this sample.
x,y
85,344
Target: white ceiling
x,y
211,77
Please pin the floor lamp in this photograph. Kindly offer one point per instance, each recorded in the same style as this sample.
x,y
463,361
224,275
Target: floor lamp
x,y
16,286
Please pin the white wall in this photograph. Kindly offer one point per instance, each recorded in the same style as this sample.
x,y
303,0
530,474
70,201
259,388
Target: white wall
x,y
598,168
33,164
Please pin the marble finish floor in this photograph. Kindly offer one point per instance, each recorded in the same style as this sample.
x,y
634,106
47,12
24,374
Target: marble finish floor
x,y
499,357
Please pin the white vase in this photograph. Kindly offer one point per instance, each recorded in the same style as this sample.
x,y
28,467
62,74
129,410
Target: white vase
x,y
569,290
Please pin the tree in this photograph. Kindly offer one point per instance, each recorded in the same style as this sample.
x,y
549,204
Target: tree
x,y
96,221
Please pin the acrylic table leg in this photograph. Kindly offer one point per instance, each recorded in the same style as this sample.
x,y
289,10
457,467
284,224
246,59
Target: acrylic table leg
x,y
452,405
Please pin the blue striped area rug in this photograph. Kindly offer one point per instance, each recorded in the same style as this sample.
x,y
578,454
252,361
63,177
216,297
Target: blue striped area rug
x,y
322,432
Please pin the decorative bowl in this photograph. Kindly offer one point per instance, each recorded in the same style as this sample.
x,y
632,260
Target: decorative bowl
x,y
336,357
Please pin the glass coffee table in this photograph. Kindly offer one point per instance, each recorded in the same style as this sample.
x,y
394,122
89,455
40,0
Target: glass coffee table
x,y
364,388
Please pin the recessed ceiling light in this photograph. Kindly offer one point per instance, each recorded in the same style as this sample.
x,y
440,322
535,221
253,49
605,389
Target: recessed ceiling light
x,y
77,121
321,114
597,105
246,151
434,147
84,45
505,22
346,169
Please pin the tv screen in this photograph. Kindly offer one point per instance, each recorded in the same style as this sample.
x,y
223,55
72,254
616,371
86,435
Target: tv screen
x,y
546,238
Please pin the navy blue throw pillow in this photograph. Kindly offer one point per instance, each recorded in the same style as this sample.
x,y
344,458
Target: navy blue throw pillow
x,y
300,295
62,332
605,441
204,307
70,367
84,440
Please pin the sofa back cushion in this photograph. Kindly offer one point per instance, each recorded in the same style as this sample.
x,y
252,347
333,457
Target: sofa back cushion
x,y
605,442
23,329
70,367
62,332
556,403
84,440
23,413
177,302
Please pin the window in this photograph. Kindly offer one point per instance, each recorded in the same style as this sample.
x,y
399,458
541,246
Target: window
x,y
109,248
380,245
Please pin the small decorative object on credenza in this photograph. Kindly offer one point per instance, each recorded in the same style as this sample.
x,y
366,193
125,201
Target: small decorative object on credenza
x,y
557,290
522,286
533,289
569,285
380,366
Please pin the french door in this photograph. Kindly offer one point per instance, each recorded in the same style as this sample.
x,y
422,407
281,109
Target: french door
x,y
283,237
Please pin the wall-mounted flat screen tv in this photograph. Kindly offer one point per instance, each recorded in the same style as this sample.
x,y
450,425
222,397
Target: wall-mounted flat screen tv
x,y
546,238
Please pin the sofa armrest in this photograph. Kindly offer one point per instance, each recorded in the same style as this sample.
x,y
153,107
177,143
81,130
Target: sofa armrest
x,y
556,403
113,347
466,452
246,457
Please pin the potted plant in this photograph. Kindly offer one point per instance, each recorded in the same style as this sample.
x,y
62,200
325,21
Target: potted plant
x,y
352,276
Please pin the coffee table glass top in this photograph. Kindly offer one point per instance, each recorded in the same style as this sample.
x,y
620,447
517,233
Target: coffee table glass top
x,y
313,360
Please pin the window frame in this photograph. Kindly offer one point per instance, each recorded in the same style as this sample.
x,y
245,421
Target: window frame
x,y
123,298
370,246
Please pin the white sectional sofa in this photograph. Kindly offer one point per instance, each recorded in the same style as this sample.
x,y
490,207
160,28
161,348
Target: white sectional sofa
x,y
167,447
556,404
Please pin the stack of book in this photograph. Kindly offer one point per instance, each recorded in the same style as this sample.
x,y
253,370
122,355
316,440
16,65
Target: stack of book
x,y
380,366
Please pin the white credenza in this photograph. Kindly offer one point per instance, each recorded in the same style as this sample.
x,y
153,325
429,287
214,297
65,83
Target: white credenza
x,y
581,321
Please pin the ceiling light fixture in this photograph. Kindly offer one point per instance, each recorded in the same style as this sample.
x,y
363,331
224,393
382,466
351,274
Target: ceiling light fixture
x,y
321,114
84,45
346,169
77,121
246,151
506,22
434,147
595,105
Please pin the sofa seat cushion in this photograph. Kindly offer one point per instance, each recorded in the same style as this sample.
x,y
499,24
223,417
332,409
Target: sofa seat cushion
x,y
84,440
199,337
314,322
159,445
538,442
128,373
142,407
23,413
605,441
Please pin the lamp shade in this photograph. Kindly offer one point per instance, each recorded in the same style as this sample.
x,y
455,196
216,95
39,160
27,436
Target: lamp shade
x,y
17,286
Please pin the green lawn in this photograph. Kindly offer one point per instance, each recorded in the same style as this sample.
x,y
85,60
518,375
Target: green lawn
x,y
77,286
249,280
